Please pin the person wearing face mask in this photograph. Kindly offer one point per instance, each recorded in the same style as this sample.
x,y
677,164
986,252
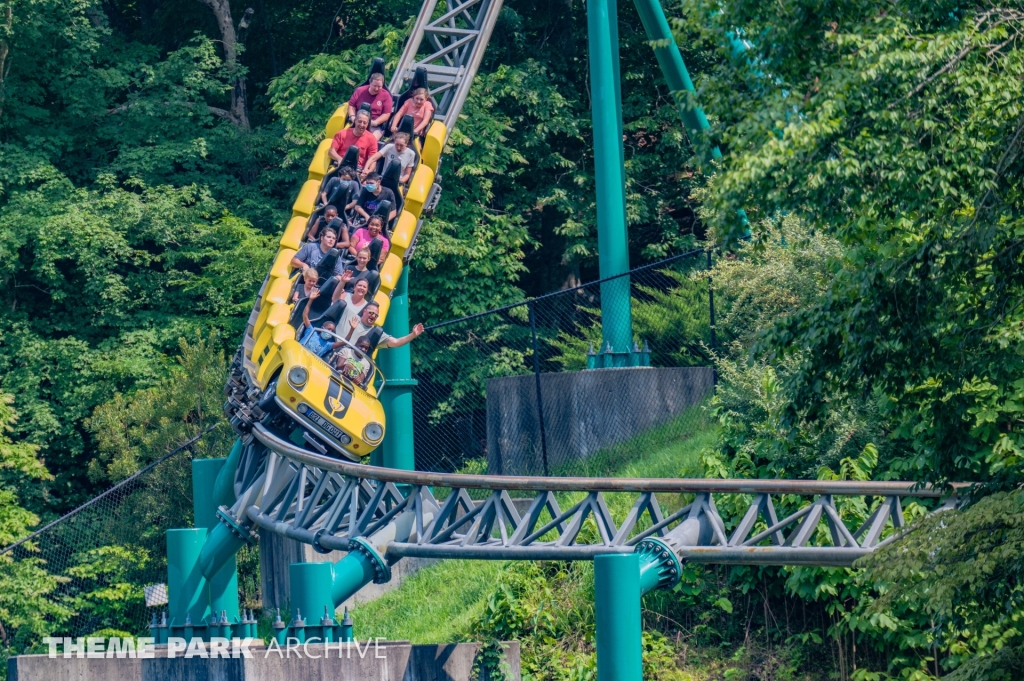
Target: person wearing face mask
x,y
396,151
420,108
377,96
372,196
334,190
361,271
317,341
357,136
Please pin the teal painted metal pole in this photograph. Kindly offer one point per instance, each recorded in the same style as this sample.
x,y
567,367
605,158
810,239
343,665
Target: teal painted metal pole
x,y
219,549
610,176
311,597
208,494
671,62
224,487
187,592
617,610
396,363
351,574
676,76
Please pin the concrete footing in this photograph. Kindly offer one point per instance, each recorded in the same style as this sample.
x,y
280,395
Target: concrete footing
x,y
388,661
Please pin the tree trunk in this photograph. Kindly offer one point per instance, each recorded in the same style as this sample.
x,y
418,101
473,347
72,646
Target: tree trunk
x,y
5,50
222,12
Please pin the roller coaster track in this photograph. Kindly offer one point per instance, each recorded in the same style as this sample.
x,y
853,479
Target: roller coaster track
x,y
329,503
457,39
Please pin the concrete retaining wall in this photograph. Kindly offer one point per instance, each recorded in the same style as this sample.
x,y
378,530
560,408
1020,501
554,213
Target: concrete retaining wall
x,y
584,412
389,662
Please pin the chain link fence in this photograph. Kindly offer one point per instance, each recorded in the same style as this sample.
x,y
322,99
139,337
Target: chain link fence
x,y
87,572
509,392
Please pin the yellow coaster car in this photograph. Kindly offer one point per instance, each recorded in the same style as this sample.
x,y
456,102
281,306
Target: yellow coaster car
x,y
329,405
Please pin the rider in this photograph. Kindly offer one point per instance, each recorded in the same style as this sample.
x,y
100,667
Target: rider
x,y
316,341
377,96
330,219
374,194
313,252
359,327
357,135
365,236
419,107
396,151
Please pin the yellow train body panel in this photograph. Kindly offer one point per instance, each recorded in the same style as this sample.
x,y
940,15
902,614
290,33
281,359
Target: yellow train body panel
x,y
306,199
321,161
294,231
403,233
433,145
337,121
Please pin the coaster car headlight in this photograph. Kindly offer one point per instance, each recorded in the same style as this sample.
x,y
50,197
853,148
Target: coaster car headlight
x,y
373,433
298,376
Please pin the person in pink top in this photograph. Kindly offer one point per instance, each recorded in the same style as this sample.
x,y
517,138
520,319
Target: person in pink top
x,y
419,107
365,235
357,135
377,96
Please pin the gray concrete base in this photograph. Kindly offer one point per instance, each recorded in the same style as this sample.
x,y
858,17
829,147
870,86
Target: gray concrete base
x,y
388,662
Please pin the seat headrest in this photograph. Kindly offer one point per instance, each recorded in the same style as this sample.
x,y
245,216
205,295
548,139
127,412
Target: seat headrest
x,y
383,209
331,314
419,79
392,172
351,157
325,268
407,125
377,67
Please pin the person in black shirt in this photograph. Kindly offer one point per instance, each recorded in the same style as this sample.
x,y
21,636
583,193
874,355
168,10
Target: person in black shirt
x,y
371,197
331,191
330,219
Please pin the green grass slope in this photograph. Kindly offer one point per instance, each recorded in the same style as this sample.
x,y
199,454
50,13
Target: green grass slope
x,y
440,603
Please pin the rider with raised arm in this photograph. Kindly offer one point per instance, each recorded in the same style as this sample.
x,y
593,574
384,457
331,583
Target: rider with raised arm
x,y
316,341
361,326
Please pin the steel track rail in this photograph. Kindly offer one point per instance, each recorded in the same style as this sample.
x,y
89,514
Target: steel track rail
x,y
327,502
568,484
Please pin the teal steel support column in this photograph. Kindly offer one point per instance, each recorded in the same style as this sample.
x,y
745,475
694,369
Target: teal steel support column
x,y
673,68
188,595
396,363
676,76
311,597
610,175
617,610
209,492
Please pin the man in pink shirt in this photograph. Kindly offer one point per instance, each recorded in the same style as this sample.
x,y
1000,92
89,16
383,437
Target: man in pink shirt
x,y
357,135
377,96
